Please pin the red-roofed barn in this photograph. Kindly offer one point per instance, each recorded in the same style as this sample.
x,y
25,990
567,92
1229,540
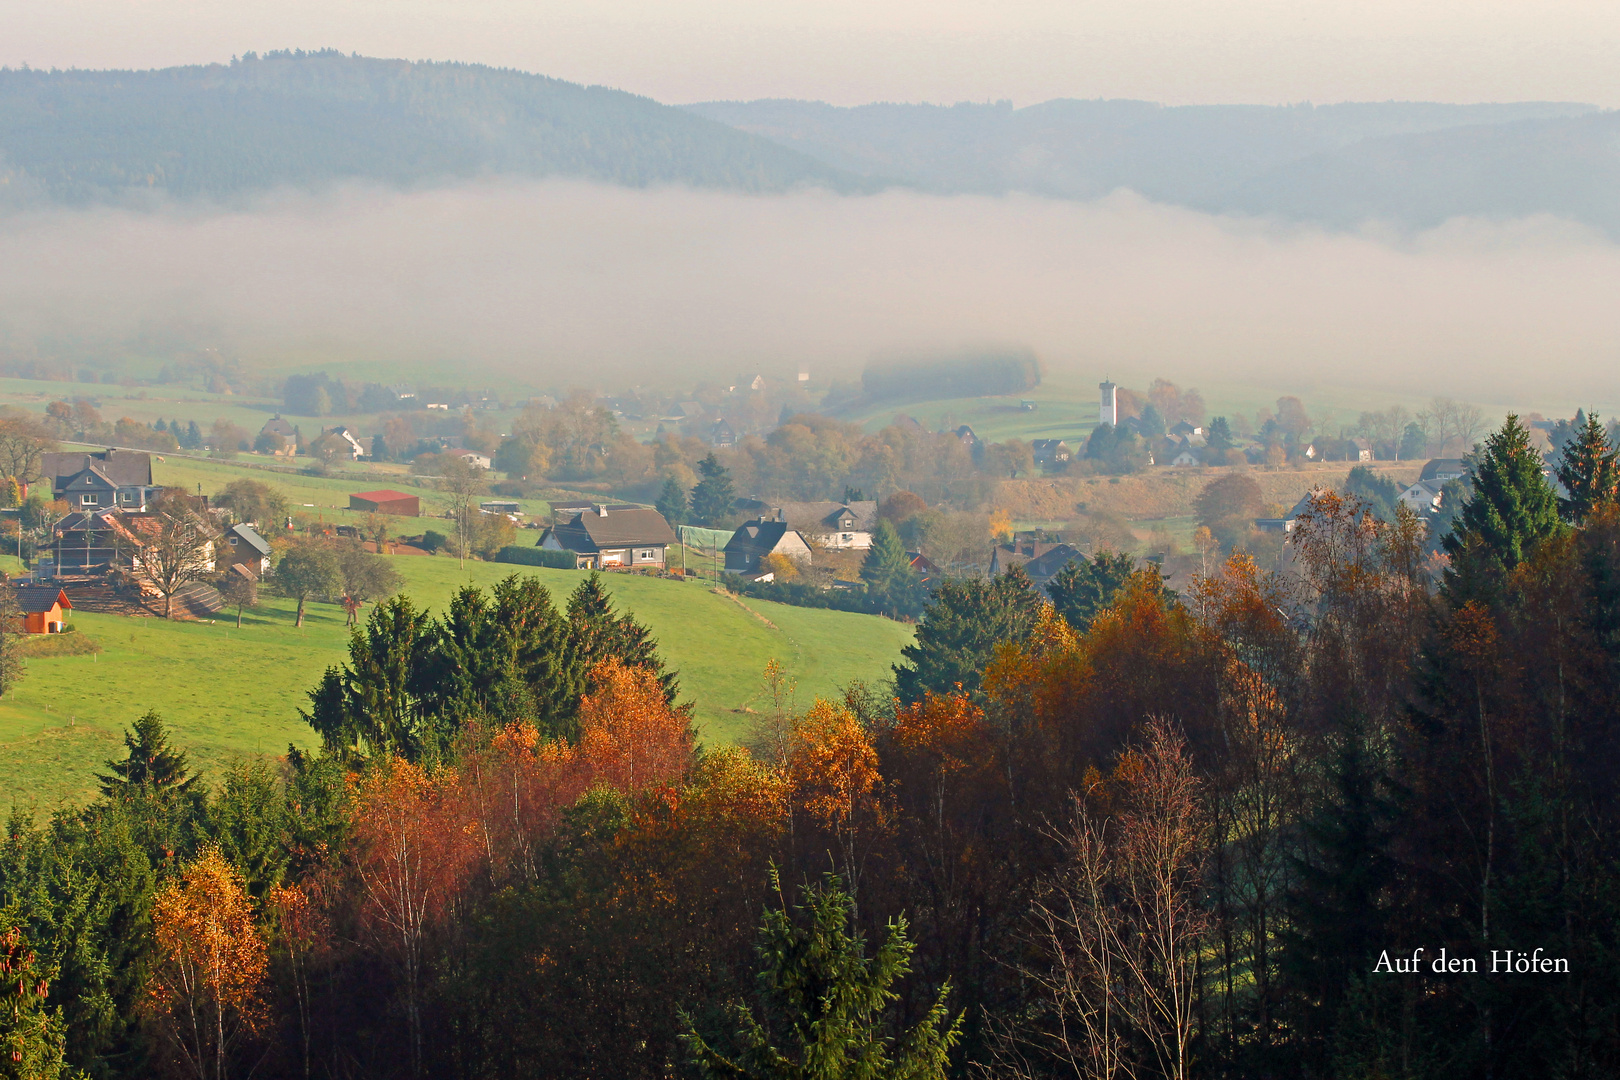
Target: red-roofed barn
x,y
387,502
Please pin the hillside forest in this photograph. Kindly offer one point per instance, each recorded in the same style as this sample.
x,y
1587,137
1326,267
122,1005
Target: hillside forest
x,y
1337,820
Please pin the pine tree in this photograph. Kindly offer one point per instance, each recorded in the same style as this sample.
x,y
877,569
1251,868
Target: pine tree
x,y
32,1036
12,665
887,571
1588,469
711,499
672,501
151,762
194,438
1512,509
959,632
827,1004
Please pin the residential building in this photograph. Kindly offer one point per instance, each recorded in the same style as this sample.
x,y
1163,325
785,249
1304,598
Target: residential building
x,y
722,434
44,607
387,501
607,537
245,548
756,539
1442,469
1041,561
1422,497
472,457
822,524
1182,453
101,480
1050,451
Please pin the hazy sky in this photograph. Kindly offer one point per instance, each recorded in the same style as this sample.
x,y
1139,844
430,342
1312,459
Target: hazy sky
x,y
576,283
855,51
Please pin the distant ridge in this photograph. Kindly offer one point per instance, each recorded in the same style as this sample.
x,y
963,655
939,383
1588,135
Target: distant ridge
x,y
312,119
1412,164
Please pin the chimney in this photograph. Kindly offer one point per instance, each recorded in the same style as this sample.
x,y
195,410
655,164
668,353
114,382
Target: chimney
x,y
601,510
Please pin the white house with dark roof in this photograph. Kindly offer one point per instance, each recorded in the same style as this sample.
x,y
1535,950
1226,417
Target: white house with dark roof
x,y
605,537
824,523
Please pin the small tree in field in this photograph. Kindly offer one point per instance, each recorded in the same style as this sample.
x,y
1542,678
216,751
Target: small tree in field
x,y
307,569
206,987
239,592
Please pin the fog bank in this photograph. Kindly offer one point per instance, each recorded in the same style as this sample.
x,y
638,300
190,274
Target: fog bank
x,y
572,283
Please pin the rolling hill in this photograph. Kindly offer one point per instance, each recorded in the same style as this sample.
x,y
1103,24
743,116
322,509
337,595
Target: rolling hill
x,y
309,120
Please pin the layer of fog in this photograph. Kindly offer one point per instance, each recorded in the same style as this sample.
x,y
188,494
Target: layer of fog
x,y
572,284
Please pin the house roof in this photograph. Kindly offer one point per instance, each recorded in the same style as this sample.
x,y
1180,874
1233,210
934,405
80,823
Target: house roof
x,y
1044,444
34,599
87,479
1448,466
381,495
80,520
619,527
1044,567
277,426
241,569
826,514
251,535
1016,554
125,468
757,538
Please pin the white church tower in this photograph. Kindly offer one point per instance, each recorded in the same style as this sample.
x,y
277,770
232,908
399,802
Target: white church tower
x,y
1109,413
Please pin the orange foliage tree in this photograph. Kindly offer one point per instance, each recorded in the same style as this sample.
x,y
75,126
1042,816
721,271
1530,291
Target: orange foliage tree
x,y
629,736
206,988
832,768
414,846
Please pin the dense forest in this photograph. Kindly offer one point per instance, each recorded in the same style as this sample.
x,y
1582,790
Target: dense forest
x,y
313,119
1113,832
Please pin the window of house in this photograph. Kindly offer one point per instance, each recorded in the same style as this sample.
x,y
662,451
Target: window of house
x,y
87,500
649,554
233,541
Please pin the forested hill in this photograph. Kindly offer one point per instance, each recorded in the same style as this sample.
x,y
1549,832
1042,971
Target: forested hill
x,y
1407,163
312,119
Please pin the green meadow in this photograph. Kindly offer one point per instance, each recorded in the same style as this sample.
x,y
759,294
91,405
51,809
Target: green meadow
x,y
227,693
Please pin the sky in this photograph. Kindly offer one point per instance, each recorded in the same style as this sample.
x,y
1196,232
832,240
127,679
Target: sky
x,y
855,51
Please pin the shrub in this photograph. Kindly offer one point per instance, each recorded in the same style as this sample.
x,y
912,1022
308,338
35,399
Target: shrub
x,y
536,556
433,541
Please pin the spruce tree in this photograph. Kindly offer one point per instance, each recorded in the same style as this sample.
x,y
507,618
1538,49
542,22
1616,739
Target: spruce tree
x,y
1512,509
1085,586
959,632
711,499
888,574
12,665
1588,469
672,502
828,1009
194,437
151,762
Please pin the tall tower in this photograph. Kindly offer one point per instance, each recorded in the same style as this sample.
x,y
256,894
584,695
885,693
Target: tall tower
x,y
1109,413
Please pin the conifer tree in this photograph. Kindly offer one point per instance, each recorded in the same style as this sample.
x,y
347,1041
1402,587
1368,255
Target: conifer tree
x,y
1588,470
827,1004
32,1036
1512,509
12,665
672,501
151,762
711,499
959,632
888,574
1085,586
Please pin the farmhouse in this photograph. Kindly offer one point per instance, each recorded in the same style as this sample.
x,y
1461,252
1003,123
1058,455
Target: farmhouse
x,y
386,501
101,480
473,458
756,539
43,607
339,442
612,537
1050,451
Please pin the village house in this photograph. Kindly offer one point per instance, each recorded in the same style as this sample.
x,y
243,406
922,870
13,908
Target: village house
x,y
280,435
1041,561
1440,470
1050,451
612,537
826,524
43,607
340,442
245,548
754,540
1422,498
722,434
1181,453
473,458
101,480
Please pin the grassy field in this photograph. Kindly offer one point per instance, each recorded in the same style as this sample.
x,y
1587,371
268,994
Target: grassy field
x,y
228,692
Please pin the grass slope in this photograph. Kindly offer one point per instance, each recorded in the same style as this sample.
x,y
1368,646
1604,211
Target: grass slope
x,y
227,693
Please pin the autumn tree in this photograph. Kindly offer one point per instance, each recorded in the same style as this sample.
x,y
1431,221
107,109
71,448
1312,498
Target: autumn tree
x,y
363,577
239,591
207,984
413,851
629,734
254,501
173,546
463,482
826,1009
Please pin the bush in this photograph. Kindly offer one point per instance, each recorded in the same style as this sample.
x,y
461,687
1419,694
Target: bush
x,y
800,595
433,541
536,556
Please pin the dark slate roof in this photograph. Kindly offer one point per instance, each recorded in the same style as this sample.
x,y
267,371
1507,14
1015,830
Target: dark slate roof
x,y
86,479
251,535
1449,466
125,468
1043,568
277,426
620,527
757,538
825,514
34,599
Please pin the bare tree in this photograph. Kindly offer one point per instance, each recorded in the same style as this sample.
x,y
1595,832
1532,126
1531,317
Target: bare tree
x,y
1446,420
239,592
23,443
1120,928
172,546
376,528
462,481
